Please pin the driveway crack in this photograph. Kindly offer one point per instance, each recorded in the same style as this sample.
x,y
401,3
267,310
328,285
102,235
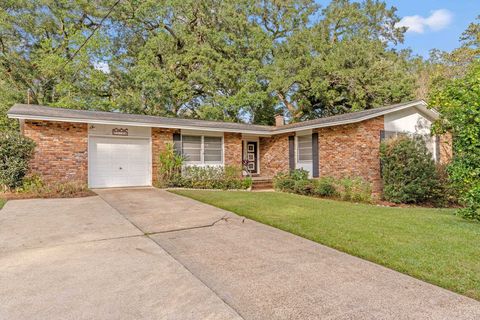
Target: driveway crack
x,y
224,218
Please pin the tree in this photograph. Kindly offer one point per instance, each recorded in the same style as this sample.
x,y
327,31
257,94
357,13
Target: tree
x,y
343,63
459,104
39,56
232,60
443,66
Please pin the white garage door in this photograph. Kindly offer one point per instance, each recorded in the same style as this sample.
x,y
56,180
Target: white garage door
x,y
118,162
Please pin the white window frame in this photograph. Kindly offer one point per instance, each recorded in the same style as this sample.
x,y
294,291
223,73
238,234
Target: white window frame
x,y
202,150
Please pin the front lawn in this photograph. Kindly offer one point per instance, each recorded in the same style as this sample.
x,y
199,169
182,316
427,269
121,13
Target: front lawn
x,y
2,202
429,244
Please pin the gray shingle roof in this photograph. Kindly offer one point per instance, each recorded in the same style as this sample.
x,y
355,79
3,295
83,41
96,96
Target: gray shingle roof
x,y
25,111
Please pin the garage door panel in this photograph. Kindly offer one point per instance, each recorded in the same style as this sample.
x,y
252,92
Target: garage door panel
x,y
119,162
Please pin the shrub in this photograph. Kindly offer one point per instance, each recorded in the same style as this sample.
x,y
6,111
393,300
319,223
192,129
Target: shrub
x,y
408,171
354,189
305,187
169,166
325,187
15,154
285,181
34,186
350,189
298,174
211,177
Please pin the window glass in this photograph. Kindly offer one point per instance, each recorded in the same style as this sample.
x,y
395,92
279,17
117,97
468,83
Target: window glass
x,y
212,149
192,148
304,148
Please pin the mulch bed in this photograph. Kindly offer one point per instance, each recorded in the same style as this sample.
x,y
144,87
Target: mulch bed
x,y
25,195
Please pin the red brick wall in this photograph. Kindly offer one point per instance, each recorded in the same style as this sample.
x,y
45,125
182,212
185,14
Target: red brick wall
x,y
61,152
352,151
446,148
233,149
274,155
160,137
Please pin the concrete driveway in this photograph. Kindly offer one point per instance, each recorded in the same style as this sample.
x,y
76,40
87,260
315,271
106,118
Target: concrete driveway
x,y
146,253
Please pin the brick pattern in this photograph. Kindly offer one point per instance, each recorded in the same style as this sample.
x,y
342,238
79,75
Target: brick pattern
x,y
446,148
232,144
273,155
160,138
352,151
61,151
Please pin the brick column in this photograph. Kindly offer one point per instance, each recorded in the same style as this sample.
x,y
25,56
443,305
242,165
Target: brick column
x,y
160,138
232,143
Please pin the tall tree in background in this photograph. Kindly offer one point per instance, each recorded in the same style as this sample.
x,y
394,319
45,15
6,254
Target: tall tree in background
x,y
444,66
234,60
343,63
38,55
455,91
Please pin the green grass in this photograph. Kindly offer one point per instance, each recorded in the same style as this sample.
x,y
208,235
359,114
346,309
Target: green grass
x,y
429,244
2,202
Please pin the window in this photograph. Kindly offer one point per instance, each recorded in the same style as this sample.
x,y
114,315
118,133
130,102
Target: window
x,y
192,148
304,148
202,149
212,149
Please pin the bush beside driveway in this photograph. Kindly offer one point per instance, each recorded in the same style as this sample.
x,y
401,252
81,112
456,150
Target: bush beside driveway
x,y
429,244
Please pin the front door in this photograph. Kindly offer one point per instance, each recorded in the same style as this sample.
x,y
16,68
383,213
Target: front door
x,y
251,156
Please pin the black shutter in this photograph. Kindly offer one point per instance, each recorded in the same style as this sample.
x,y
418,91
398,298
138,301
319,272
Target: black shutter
x,y
382,135
291,152
315,161
177,143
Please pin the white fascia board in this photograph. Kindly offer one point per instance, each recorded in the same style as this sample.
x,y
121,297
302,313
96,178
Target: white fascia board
x,y
134,124
350,121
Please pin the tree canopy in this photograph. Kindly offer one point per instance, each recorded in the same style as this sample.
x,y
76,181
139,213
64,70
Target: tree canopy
x,y
234,60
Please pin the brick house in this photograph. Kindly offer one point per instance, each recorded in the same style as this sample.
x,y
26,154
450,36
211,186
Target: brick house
x,y
107,149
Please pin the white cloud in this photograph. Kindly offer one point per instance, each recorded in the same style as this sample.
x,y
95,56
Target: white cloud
x,y
438,20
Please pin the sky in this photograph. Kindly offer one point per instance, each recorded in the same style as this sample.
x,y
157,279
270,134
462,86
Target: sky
x,y
433,23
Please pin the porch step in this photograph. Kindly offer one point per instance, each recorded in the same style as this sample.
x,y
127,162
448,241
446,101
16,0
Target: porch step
x,y
262,184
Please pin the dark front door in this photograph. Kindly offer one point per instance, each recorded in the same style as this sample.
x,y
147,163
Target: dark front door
x,y
251,156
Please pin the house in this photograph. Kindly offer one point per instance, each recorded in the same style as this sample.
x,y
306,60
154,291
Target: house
x,y
108,149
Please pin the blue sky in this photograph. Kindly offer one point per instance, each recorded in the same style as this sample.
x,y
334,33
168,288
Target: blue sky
x,y
433,23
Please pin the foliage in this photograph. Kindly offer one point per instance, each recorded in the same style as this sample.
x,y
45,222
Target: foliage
x,y
441,67
305,187
343,63
354,189
348,189
459,104
169,165
15,154
408,171
232,60
212,177
430,244
33,186
325,187
172,173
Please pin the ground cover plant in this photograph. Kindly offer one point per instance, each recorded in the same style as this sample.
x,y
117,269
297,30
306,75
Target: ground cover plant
x,y
348,189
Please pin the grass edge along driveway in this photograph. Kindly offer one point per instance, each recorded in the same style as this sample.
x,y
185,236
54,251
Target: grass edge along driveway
x,y
2,203
433,245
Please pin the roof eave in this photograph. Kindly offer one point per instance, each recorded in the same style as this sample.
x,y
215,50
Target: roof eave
x,y
137,124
